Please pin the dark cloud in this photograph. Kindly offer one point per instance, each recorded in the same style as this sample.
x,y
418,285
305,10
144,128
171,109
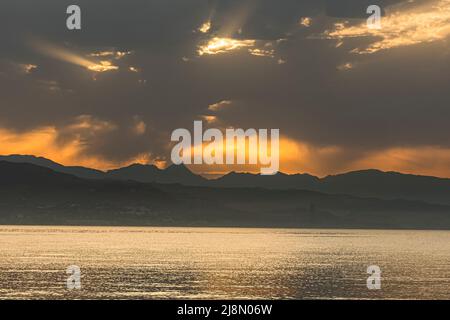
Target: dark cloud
x,y
394,98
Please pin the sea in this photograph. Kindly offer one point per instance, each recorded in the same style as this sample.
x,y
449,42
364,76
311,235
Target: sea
x,y
52,262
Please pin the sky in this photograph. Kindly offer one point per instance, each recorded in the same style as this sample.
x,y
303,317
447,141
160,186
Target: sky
x,y
345,97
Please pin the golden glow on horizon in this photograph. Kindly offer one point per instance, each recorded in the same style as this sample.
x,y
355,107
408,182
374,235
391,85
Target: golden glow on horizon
x,y
247,150
295,157
422,24
43,142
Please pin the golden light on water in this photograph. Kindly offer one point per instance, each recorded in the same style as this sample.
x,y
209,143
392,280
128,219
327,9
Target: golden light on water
x,y
422,24
218,263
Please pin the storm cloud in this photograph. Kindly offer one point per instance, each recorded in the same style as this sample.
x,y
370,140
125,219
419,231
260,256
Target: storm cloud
x,y
274,70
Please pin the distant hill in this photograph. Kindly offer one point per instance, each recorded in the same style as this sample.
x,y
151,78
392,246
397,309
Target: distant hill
x,y
25,175
30,194
277,181
150,173
81,172
389,185
364,183
136,172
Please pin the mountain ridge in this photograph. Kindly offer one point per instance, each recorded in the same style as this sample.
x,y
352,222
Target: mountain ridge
x,y
363,183
30,194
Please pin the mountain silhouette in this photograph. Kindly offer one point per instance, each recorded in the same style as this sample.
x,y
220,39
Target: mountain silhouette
x,y
137,172
389,185
152,174
25,174
363,183
30,194
78,171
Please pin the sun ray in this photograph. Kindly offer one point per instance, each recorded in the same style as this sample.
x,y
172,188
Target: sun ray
x,y
65,55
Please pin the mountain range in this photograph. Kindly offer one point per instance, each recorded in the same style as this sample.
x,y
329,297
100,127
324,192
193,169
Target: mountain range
x,y
37,195
364,183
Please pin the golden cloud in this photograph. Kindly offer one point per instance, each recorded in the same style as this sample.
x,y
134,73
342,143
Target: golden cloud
x,y
219,105
299,157
223,45
305,22
205,27
295,156
262,53
111,54
28,68
400,27
209,119
65,55
43,142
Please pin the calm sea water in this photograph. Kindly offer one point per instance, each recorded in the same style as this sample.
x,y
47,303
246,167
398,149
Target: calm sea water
x,y
222,263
